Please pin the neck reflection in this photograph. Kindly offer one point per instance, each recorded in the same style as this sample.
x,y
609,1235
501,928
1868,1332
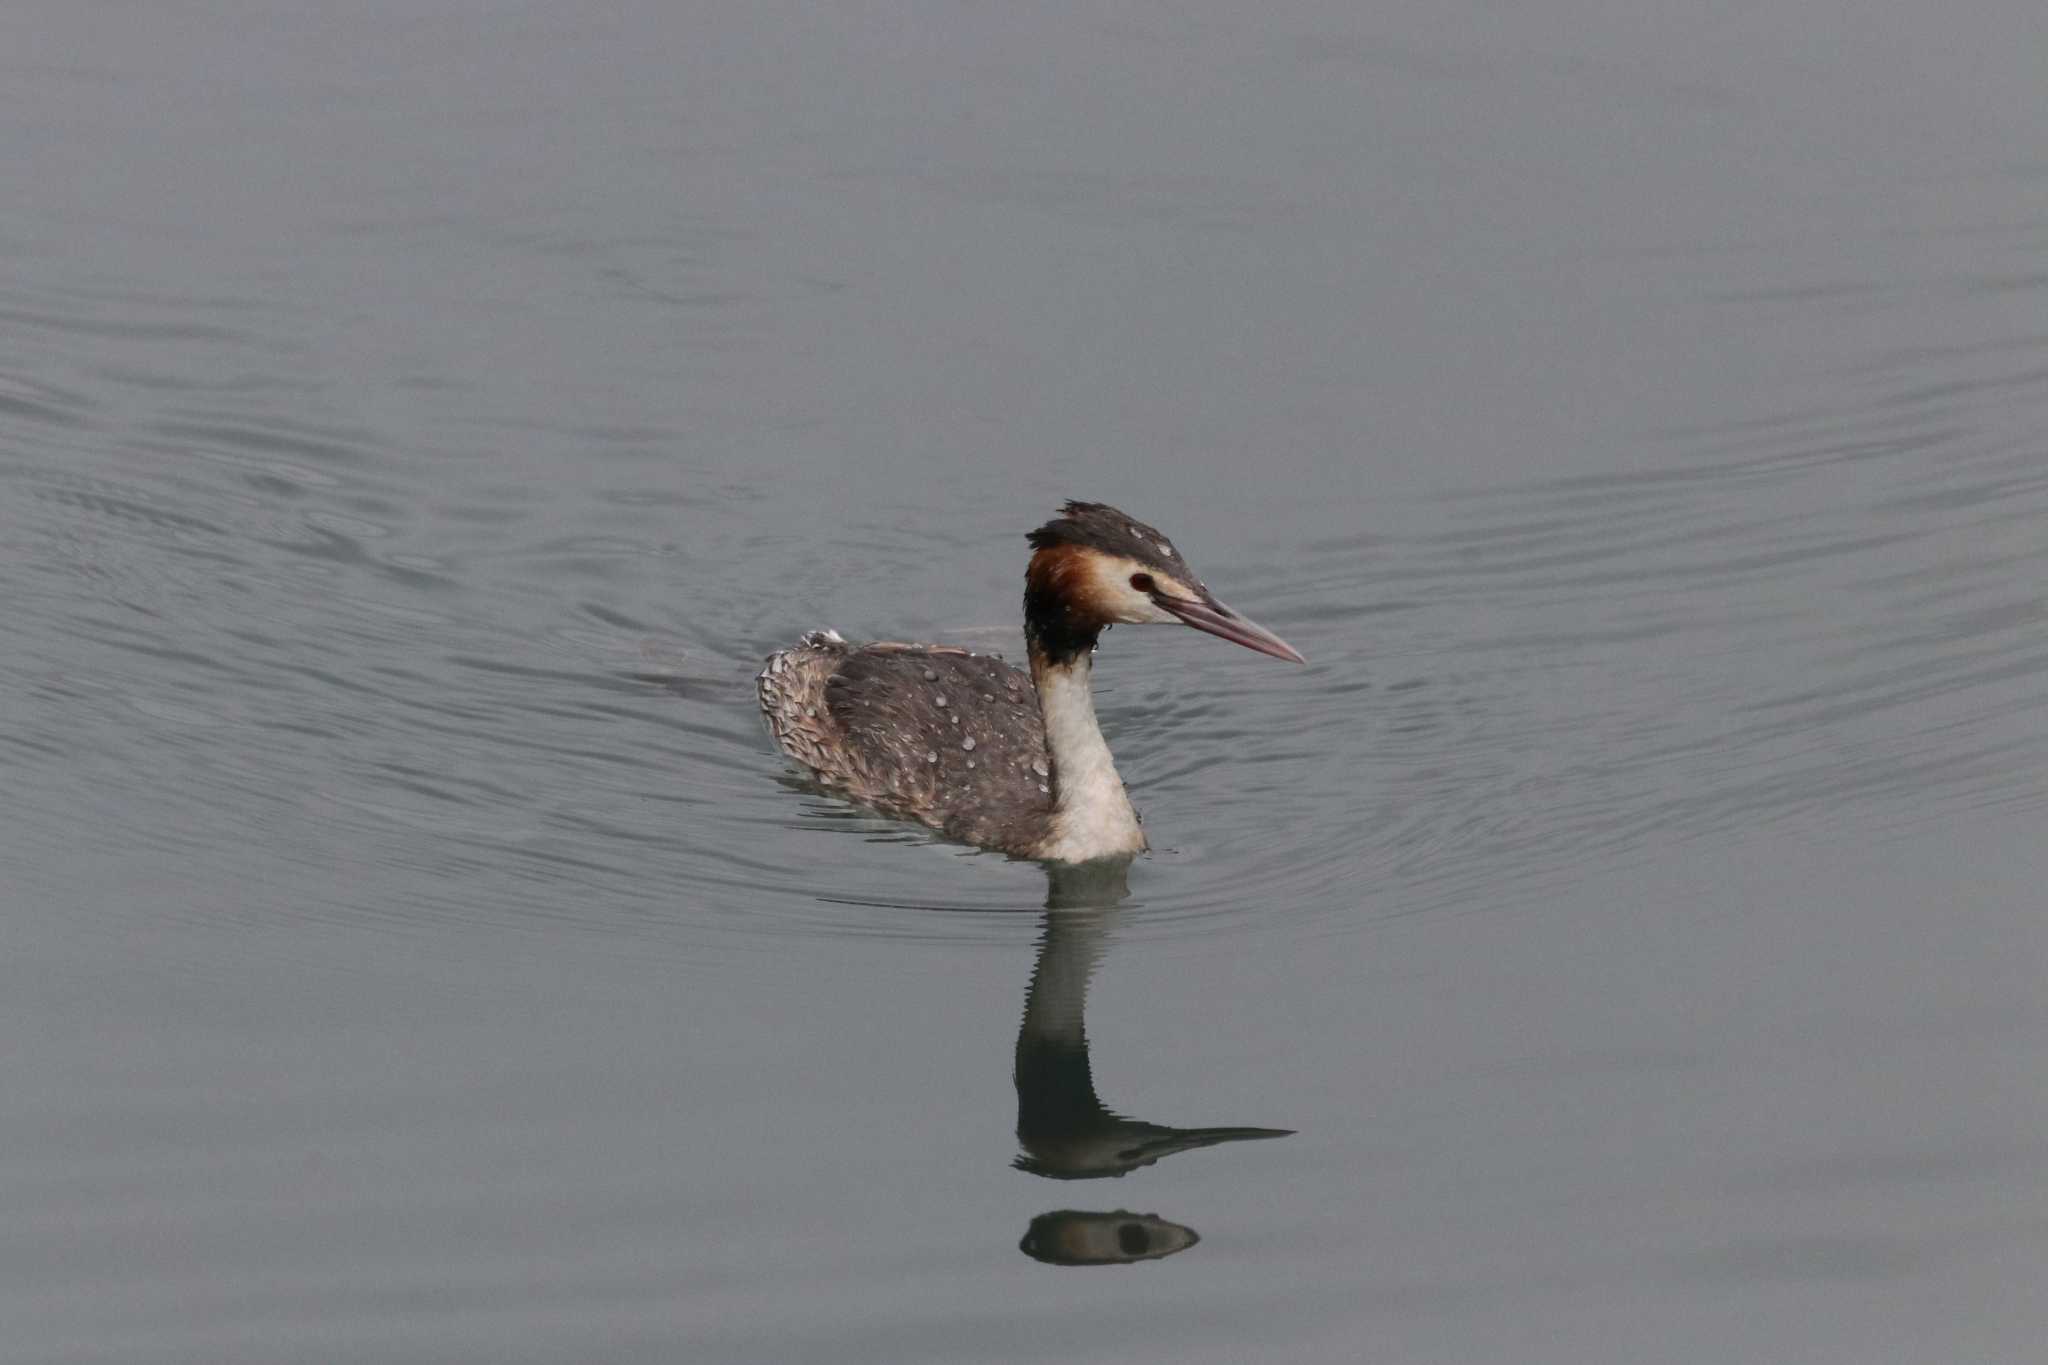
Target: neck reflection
x,y
1065,1130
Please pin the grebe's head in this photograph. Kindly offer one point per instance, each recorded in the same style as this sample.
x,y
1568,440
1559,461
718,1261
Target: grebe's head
x,y
1092,566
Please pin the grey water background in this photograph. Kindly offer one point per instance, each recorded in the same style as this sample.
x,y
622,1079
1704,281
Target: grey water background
x,y
418,419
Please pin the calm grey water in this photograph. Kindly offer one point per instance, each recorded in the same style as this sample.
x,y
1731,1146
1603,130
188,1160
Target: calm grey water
x,y
418,419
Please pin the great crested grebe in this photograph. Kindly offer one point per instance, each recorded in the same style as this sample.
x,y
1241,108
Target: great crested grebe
x,y
974,748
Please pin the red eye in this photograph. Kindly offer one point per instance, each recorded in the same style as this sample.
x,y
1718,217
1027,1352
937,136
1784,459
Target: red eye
x,y
1142,582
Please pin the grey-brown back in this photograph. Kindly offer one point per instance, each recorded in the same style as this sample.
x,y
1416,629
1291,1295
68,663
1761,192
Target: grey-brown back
x,y
938,734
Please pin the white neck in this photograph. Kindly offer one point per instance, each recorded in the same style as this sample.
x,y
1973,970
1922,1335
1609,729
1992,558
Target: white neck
x,y
1091,816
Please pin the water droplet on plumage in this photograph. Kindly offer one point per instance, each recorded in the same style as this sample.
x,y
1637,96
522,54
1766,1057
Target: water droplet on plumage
x,y
968,744
931,675
1040,768
940,699
931,755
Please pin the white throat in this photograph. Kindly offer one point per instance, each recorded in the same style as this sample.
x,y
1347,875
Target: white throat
x,y
1091,817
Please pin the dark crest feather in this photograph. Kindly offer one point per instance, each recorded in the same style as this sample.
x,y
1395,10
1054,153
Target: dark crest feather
x,y
1099,526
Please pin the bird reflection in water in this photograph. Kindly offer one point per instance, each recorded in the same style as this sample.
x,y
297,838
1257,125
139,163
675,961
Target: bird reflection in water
x,y
1065,1130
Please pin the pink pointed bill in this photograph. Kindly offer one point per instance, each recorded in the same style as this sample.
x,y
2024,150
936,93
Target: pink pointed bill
x,y
1226,624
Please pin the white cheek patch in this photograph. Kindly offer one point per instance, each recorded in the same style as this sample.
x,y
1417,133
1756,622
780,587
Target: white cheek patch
x,y
1155,616
1111,591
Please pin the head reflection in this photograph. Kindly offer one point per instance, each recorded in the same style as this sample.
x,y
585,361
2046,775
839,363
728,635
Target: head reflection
x,y
1074,1237
1063,1127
